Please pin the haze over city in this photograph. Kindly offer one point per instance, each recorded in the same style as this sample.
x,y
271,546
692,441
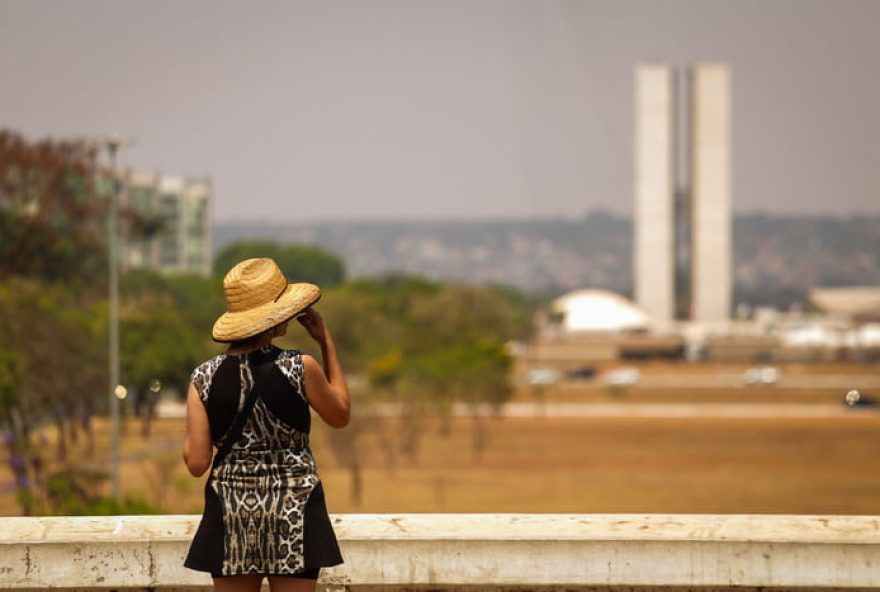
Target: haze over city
x,y
457,110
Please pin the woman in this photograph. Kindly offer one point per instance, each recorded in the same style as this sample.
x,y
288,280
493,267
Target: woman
x,y
264,505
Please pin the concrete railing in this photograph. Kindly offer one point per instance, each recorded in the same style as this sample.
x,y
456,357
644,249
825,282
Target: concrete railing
x,y
474,551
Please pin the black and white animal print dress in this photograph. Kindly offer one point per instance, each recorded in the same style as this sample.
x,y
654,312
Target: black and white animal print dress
x,y
264,505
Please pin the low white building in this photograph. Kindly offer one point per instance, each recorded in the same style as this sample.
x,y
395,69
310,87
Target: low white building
x,y
599,311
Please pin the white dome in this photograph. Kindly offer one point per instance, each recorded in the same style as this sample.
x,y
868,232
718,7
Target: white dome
x,y
599,310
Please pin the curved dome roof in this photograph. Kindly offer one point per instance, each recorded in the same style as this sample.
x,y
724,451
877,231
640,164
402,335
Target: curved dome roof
x,y
599,310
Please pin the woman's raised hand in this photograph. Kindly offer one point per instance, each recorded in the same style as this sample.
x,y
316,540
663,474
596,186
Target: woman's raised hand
x,y
325,388
314,323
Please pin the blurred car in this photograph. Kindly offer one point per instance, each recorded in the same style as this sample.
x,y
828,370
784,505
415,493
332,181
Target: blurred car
x,y
542,376
625,376
582,373
854,398
764,375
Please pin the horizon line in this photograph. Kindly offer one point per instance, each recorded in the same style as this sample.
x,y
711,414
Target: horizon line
x,y
517,219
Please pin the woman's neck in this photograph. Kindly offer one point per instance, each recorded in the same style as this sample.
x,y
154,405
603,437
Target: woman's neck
x,y
236,349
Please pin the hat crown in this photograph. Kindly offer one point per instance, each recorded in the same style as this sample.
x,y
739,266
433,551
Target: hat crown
x,y
253,283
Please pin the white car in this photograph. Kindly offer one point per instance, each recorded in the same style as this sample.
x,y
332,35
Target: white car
x,y
542,376
625,376
764,375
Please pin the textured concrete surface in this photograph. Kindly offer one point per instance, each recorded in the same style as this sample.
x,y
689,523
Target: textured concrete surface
x,y
470,552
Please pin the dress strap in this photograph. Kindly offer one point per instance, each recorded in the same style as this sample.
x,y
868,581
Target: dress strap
x,y
234,432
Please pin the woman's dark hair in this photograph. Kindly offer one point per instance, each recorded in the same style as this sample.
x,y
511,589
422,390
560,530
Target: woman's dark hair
x,y
250,341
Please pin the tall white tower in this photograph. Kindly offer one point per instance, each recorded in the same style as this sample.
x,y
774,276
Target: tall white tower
x,y
655,191
710,183
683,193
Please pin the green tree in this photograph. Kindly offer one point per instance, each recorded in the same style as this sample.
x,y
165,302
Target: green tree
x,y
53,199
71,491
422,347
53,370
165,332
300,263
457,340
425,346
198,299
159,349
54,309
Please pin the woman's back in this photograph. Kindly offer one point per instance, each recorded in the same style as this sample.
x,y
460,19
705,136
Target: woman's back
x,y
224,381
264,495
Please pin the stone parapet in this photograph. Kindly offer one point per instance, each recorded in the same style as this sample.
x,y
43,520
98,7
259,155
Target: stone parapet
x,y
475,552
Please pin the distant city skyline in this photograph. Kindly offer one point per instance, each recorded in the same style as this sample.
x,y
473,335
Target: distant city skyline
x,y
458,109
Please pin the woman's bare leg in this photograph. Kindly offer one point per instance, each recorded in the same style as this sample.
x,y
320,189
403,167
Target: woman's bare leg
x,y
287,584
238,584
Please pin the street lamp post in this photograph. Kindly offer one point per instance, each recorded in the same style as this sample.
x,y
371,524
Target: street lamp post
x,y
113,146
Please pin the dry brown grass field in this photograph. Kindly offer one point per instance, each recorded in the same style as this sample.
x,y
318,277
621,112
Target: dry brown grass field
x,y
702,465
817,465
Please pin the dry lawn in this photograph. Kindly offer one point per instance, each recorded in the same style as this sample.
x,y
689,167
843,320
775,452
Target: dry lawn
x,y
825,465
690,465
624,464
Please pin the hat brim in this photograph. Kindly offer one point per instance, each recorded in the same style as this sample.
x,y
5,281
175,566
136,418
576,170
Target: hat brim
x,y
235,326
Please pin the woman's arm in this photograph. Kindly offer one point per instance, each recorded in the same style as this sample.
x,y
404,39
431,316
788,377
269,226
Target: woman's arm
x,y
197,448
326,389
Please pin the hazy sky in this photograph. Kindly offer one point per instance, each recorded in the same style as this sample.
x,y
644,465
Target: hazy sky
x,y
445,109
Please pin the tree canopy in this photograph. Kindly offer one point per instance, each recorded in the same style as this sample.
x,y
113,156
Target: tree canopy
x,y
300,263
51,217
431,342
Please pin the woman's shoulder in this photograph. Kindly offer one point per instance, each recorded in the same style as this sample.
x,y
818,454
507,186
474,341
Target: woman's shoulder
x,y
288,358
208,365
204,373
290,362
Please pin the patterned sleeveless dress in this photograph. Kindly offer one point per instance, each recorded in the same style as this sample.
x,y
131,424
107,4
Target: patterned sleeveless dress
x,y
264,504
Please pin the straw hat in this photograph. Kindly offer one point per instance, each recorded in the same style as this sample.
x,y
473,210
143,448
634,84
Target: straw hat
x,y
258,297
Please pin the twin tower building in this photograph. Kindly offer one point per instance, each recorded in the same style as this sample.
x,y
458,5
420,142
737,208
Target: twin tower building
x,y
682,211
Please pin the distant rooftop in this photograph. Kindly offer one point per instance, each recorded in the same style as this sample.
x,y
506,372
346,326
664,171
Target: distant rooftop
x,y
855,302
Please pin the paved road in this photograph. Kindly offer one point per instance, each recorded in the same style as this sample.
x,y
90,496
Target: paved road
x,y
745,410
844,382
527,409
731,410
